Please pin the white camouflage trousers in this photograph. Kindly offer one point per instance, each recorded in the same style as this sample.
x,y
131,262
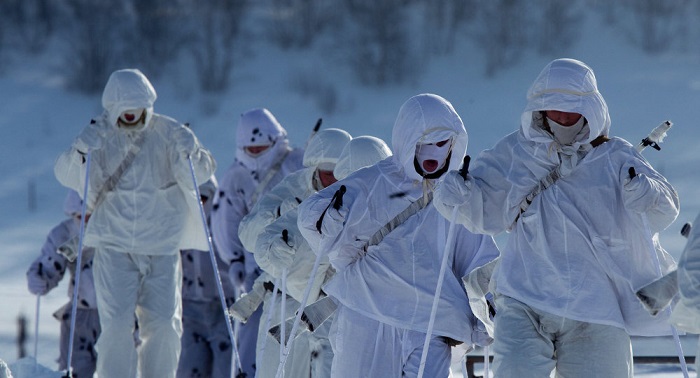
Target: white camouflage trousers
x,y
533,343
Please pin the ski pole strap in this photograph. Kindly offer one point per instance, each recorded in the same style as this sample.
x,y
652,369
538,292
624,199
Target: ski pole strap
x,y
412,209
266,180
113,179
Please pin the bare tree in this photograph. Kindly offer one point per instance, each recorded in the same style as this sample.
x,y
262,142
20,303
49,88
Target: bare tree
x,y
91,42
155,35
656,24
556,24
501,33
443,20
376,43
296,23
216,27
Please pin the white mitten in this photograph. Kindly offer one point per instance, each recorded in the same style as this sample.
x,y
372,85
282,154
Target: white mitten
x,y
479,335
91,138
184,141
236,273
281,254
333,221
453,190
36,284
639,193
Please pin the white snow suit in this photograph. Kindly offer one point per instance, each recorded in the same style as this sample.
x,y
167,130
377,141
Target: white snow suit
x,y
243,184
46,272
579,249
206,347
261,231
138,225
686,313
389,286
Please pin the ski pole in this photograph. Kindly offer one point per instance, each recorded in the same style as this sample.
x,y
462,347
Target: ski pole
x,y
283,310
313,132
217,276
270,311
449,245
653,139
78,265
36,327
283,323
337,203
486,362
674,331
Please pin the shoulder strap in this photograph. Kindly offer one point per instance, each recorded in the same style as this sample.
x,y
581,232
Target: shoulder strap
x,y
412,209
112,180
550,179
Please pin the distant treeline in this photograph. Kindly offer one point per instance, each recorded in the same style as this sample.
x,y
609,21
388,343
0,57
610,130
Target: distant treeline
x,y
381,42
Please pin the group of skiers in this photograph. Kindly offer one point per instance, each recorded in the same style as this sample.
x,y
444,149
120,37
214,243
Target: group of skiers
x,y
392,248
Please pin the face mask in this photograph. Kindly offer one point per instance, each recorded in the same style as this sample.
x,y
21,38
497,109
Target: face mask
x,y
566,135
432,157
131,117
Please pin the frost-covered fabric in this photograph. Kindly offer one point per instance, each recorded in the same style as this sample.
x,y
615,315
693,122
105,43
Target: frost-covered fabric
x,y
128,89
259,127
585,244
51,267
397,354
241,186
235,198
152,208
686,313
590,350
206,346
324,148
394,282
275,212
360,152
150,287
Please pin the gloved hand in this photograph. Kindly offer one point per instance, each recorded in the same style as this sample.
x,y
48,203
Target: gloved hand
x,y
639,193
236,273
69,249
657,295
453,190
333,221
479,335
36,284
281,253
91,138
184,141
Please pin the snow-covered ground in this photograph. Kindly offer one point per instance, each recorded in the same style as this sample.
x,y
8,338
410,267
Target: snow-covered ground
x,y
38,119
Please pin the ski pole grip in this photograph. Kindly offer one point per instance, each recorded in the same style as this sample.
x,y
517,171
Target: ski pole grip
x,y
339,197
285,236
465,167
632,172
685,230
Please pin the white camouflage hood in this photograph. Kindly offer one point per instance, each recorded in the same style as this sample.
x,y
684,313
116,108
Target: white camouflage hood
x,y
427,118
567,85
360,152
325,147
258,127
128,89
